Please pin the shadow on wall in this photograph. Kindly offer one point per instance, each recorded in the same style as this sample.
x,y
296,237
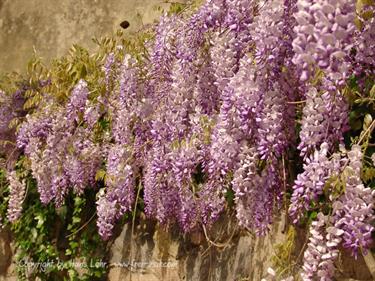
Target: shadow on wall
x,y
153,253
5,251
158,255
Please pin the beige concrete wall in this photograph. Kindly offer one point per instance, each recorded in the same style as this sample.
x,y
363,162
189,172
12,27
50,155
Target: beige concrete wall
x,y
154,254
52,26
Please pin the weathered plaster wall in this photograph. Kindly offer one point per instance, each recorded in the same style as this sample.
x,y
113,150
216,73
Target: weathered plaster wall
x,y
52,26
240,256
153,254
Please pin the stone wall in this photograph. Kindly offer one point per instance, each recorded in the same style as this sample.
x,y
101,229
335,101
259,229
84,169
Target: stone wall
x,y
169,256
52,26
160,255
152,253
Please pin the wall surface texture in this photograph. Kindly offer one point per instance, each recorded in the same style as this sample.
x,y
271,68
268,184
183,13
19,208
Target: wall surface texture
x,y
52,26
154,254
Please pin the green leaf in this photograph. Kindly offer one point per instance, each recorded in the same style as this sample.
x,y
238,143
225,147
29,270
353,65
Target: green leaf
x,y
34,233
40,220
372,91
229,196
313,215
73,244
367,121
368,174
100,175
76,220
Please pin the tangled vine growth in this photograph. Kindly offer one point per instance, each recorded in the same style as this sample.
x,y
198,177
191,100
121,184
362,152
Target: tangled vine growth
x,y
235,97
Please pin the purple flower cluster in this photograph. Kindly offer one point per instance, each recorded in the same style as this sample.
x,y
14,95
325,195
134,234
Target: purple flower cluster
x,y
321,250
254,112
62,155
254,193
353,211
160,197
17,190
309,184
35,127
108,71
11,108
120,180
82,161
324,38
324,119
106,211
77,101
119,192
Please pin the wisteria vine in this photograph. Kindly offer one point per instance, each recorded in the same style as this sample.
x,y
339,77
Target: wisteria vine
x,y
224,96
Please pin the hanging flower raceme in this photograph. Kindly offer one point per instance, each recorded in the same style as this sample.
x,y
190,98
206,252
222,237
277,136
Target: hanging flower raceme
x,y
224,58
54,181
271,128
353,211
82,161
236,124
161,198
253,193
17,190
363,62
321,250
324,119
184,163
118,196
35,126
46,138
77,101
325,32
106,211
309,184
271,32
108,70
206,93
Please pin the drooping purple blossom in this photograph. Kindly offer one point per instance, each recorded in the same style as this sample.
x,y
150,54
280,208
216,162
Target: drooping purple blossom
x,y
108,69
325,32
160,197
34,127
353,211
106,211
11,108
184,163
82,161
309,184
324,119
271,126
120,181
77,101
17,190
92,114
363,60
321,250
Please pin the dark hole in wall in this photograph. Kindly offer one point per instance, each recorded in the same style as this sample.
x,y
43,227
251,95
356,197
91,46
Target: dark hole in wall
x,y
124,24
